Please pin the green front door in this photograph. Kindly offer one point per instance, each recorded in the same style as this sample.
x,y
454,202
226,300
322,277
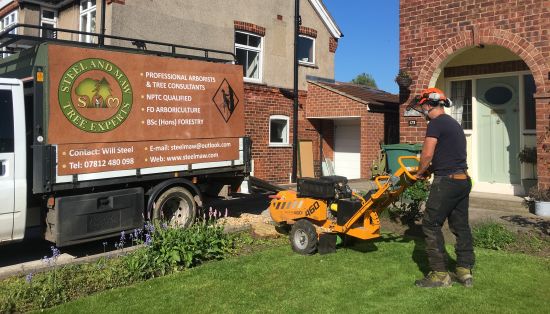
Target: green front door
x,y
498,129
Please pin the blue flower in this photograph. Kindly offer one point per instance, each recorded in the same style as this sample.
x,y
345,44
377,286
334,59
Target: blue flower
x,y
55,253
28,278
148,239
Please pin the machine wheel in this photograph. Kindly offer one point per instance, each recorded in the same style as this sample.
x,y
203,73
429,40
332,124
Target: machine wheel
x,y
303,237
176,207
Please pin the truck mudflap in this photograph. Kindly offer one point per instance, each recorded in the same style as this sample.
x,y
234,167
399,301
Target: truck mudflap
x,y
81,218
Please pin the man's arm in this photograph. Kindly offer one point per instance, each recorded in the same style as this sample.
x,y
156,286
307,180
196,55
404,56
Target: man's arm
x,y
426,156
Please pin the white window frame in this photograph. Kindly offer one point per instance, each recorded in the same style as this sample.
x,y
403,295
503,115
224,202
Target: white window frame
x,y
260,54
286,140
47,20
13,16
313,40
88,13
453,110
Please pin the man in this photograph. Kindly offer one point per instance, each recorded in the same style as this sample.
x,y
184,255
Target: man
x,y
444,154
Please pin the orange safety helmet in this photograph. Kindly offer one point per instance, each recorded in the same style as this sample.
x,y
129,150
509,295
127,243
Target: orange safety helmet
x,y
430,96
434,97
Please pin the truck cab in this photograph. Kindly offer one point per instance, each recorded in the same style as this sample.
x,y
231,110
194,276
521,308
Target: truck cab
x,y
13,177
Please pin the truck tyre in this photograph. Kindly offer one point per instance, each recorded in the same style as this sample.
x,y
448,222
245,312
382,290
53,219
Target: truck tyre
x,y
176,207
303,237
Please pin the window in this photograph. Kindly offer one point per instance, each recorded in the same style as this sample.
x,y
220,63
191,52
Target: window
x,y
248,49
498,95
87,19
530,113
7,21
461,96
306,50
48,18
278,130
6,122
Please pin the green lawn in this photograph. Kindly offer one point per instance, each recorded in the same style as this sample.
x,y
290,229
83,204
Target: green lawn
x,y
371,277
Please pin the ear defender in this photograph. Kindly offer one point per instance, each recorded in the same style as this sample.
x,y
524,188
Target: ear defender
x,y
434,96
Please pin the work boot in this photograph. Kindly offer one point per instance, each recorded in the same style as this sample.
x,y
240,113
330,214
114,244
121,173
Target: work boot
x,y
464,277
435,279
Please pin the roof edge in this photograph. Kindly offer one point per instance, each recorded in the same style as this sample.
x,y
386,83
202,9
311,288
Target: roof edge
x,y
344,94
327,18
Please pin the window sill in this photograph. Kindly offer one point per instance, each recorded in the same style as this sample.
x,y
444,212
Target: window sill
x,y
279,145
307,65
251,80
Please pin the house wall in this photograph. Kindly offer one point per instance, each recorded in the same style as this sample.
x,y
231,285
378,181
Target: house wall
x,y
31,15
211,25
275,163
432,32
69,18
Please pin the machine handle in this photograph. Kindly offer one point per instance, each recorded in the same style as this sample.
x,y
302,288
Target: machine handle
x,y
377,180
400,161
362,199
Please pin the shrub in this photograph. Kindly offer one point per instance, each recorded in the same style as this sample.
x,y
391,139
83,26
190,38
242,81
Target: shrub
x,y
493,236
171,249
528,155
541,195
409,210
165,250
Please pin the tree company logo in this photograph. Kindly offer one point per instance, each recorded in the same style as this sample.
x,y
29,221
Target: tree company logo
x,y
95,95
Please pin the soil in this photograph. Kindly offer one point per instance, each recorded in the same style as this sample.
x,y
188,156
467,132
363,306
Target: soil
x,y
533,235
533,231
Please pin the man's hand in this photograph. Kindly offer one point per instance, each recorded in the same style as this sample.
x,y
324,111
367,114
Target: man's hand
x,y
423,176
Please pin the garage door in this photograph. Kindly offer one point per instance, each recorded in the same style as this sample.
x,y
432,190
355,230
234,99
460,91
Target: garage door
x,y
347,148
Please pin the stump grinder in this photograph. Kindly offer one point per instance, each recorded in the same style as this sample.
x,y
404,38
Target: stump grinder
x,y
326,207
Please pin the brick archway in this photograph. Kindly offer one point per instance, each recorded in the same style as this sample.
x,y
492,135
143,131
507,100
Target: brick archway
x,y
535,60
491,36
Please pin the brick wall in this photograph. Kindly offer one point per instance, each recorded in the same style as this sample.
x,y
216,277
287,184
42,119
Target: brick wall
x,y
274,164
332,44
327,128
249,27
10,7
322,102
372,133
432,31
308,31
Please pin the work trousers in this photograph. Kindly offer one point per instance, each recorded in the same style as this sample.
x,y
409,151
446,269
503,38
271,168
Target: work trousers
x,y
448,199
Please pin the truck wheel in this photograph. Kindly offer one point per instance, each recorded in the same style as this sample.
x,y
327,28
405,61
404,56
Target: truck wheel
x,y
176,207
303,237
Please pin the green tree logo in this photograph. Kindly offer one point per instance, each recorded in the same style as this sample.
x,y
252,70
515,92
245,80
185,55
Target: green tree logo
x,y
95,94
91,81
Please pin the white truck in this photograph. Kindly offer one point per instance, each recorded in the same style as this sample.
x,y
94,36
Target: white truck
x,y
96,139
